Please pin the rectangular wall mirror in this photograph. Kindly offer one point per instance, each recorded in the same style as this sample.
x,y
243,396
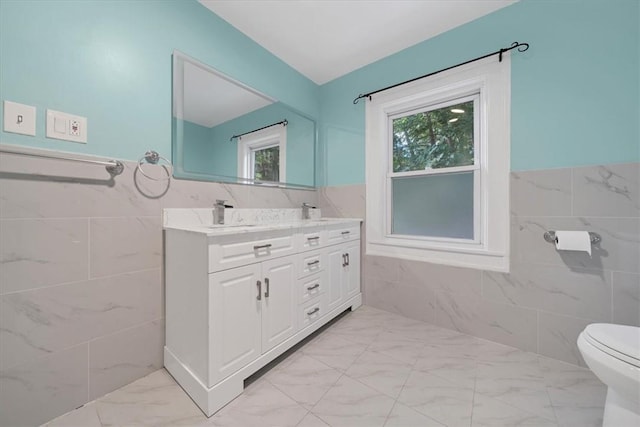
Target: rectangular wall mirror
x,y
226,131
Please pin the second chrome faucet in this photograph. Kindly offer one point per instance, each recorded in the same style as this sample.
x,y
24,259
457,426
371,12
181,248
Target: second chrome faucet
x,y
305,210
218,211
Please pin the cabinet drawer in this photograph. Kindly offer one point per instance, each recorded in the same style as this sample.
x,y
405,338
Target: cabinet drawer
x,y
343,234
312,240
311,312
310,288
229,254
310,263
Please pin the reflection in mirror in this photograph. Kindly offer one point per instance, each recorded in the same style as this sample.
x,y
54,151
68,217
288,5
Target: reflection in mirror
x,y
226,131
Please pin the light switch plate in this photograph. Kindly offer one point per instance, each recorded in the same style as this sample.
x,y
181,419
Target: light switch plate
x,y
66,126
60,125
19,118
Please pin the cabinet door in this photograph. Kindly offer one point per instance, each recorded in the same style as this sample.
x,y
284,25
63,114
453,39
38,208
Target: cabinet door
x,y
234,320
334,271
351,272
279,301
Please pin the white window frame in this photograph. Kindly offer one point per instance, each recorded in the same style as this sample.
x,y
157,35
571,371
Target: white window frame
x,y
475,168
274,136
489,249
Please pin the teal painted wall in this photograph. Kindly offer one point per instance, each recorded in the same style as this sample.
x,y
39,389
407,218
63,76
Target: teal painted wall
x,y
575,93
110,61
198,148
225,159
574,97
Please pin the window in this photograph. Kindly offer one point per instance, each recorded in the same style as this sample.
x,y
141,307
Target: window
x,y
262,154
438,168
433,157
265,163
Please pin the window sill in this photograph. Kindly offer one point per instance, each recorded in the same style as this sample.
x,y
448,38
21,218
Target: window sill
x,y
477,258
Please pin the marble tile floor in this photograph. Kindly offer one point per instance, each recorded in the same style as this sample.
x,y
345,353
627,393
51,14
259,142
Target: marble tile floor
x,y
374,368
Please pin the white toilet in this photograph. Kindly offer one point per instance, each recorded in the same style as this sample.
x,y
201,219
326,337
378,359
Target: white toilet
x,y
612,352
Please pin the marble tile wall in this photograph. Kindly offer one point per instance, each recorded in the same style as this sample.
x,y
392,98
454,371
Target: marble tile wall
x,y
548,297
81,284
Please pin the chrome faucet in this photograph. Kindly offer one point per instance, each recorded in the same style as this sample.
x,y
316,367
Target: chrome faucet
x,y
305,210
218,212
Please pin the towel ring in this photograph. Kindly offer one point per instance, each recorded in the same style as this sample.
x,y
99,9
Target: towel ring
x,y
152,157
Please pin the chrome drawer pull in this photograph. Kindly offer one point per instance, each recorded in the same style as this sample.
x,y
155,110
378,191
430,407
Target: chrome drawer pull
x,y
259,297
345,232
313,238
316,286
314,311
312,263
268,245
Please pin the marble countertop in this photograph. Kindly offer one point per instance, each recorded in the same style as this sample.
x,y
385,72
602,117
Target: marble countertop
x,y
224,230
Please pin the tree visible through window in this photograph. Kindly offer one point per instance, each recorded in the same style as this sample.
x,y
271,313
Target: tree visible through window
x,y
266,164
433,139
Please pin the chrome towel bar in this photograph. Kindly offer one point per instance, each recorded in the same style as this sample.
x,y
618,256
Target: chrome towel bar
x,y
114,167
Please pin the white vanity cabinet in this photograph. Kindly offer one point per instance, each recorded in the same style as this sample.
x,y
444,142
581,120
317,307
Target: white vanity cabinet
x,y
279,301
350,274
252,309
343,274
235,318
236,301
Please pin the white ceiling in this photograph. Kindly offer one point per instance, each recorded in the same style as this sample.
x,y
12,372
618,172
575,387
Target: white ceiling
x,y
325,39
210,99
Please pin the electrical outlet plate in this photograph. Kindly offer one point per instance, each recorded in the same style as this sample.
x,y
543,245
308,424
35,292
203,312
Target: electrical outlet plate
x,y
66,126
19,118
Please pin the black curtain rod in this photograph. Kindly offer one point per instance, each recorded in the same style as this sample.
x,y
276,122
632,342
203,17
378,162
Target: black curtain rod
x,y
283,123
520,46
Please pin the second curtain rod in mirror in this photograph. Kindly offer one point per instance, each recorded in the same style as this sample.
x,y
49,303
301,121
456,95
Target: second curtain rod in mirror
x,y
282,122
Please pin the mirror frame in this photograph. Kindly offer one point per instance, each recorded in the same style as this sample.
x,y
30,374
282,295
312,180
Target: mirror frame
x,y
177,106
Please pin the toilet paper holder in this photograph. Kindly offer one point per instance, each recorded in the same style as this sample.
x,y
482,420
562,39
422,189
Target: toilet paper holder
x,y
550,236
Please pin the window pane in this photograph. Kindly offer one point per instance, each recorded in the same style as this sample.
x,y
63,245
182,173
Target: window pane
x,y
266,166
434,205
434,139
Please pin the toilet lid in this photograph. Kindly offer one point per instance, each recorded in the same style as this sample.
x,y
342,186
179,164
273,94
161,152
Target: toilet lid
x,y
618,340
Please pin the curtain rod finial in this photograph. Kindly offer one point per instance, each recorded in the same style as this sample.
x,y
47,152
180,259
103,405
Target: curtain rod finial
x,y
362,96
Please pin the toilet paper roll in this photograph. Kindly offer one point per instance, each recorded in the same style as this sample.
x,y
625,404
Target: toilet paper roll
x,y
573,241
